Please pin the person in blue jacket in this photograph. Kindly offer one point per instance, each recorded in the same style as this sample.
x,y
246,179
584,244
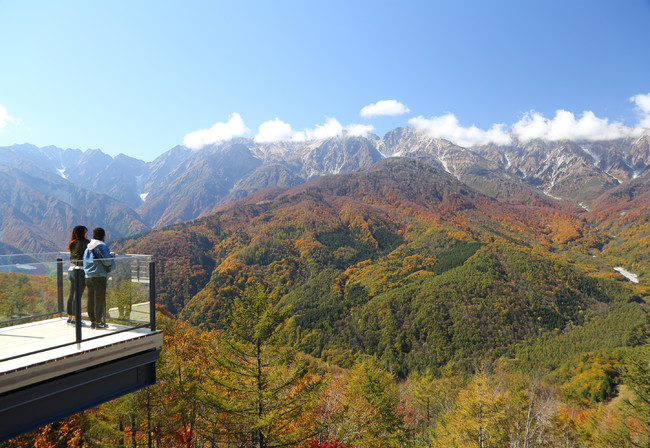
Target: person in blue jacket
x,y
98,262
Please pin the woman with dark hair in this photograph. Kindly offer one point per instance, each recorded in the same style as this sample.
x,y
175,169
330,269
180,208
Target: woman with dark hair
x,y
76,246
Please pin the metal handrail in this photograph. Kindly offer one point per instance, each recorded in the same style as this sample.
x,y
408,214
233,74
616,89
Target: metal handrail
x,y
33,316
78,314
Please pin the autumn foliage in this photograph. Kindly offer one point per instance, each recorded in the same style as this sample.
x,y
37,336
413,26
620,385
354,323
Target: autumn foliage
x,y
428,314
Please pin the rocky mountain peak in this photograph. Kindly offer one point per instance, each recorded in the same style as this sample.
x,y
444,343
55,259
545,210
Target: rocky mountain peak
x,y
182,184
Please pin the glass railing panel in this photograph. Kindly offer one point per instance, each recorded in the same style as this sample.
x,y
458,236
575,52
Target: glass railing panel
x,y
127,291
28,290
35,292
45,257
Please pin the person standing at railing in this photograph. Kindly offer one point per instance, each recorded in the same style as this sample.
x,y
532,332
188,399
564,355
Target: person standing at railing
x,y
98,262
76,246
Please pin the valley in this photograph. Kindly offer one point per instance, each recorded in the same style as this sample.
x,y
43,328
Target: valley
x,y
404,279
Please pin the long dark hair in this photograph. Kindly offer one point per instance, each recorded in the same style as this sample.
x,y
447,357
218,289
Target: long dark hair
x,y
78,233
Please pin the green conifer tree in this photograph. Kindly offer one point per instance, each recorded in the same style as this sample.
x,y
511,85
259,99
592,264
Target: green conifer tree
x,y
637,378
262,390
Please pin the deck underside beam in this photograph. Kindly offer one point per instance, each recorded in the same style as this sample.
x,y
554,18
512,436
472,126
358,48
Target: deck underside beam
x,y
36,405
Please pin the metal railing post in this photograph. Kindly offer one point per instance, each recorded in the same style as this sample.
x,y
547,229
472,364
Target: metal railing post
x,y
77,304
59,283
152,295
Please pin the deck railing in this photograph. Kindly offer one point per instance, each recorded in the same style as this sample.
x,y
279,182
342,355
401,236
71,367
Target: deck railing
x,y
36,287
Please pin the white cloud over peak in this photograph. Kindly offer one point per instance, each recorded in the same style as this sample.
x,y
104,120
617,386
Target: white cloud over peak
x,y
642,102
565,126
643,106
448,127
533,125
384,107
219,132
5,118
277,130
331,128
359,130
274,131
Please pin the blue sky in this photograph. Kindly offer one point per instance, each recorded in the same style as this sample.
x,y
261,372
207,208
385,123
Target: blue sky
x,y
139,77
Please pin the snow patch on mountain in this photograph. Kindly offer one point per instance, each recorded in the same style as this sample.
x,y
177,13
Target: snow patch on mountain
x,y
634,278
444,165
546,192
62,173
593,155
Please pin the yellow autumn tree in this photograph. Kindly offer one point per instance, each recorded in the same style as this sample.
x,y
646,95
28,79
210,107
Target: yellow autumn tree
x,y
479,420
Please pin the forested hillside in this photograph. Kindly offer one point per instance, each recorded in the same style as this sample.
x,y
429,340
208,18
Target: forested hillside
x,y
400,261
391,307
625,213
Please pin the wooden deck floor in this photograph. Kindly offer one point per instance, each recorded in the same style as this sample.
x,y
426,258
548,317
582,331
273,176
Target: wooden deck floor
x,y
36,336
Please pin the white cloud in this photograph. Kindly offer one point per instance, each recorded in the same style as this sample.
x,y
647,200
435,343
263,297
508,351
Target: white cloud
x,y
274,131
219,132
359,130
565,126
277,130
5,118
331,128
643,106
642,102
447,127
384,107
588,126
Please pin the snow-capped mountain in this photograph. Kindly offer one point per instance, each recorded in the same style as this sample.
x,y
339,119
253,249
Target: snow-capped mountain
x,y
575,171
183,184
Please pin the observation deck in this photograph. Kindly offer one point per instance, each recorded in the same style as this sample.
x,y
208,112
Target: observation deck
x,y
50,369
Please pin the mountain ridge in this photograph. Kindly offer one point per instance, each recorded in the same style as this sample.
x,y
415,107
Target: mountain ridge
x,y
184,184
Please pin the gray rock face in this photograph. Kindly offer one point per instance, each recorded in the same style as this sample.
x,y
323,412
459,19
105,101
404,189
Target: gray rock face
x,y
48,190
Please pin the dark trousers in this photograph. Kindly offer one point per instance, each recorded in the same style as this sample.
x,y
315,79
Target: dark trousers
x,y
96,299
73,288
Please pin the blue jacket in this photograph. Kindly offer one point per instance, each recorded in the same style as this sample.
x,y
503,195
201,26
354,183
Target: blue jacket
x,y
96,266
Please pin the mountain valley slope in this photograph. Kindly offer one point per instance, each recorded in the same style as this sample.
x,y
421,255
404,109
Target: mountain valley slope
x,y
400,260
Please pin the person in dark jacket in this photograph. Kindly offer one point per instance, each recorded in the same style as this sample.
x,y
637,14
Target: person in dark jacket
x,y
98,261
76,246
